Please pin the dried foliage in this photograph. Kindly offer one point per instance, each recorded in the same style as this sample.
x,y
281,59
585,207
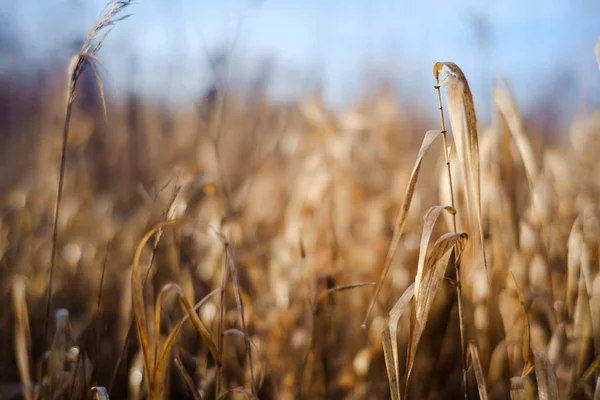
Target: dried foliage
x,y
226,250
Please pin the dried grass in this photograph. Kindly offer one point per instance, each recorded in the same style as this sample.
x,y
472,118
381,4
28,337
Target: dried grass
x,y
230,278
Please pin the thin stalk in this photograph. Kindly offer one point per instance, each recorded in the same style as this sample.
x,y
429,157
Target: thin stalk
x,y
97,315
61,181
85,57
240,304
221,328
459,295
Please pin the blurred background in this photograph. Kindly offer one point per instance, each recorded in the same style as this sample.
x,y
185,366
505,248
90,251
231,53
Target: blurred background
x,y
169,50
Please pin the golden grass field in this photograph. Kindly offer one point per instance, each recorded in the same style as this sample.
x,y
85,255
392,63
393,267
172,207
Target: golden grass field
x,y
234,247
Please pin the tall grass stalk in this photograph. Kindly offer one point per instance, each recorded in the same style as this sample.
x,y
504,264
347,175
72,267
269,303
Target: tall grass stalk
x,y
85,58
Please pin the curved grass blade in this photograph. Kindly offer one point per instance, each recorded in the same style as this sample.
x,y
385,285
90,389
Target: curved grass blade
x,y
138,299
463,121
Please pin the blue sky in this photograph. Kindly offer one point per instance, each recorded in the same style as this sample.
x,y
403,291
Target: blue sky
x,y
336,42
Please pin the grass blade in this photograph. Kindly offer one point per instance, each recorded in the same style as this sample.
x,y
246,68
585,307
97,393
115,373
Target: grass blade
x,y
430,136
199,325
162,361
390,364
240,304
138,302
401,306
478,369
187,379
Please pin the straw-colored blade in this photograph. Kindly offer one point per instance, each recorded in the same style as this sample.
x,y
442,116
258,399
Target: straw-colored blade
x,y
429,138
390,364
400,308
478,369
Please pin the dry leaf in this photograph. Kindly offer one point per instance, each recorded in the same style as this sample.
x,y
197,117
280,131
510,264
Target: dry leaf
x,y
463,121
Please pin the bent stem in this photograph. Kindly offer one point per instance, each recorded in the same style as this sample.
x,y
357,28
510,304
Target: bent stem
x,y
458,283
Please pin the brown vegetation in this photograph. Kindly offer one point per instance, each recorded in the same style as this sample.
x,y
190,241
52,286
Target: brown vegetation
x,y
231,249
